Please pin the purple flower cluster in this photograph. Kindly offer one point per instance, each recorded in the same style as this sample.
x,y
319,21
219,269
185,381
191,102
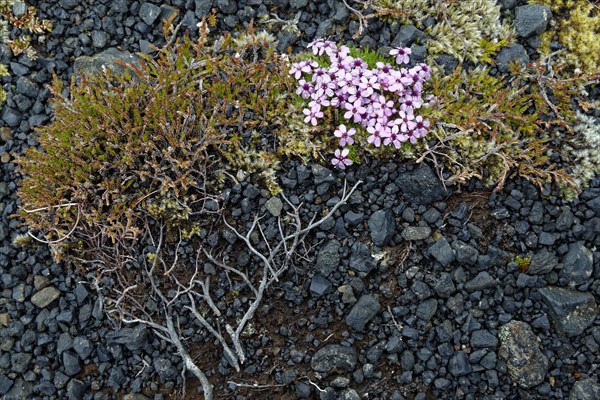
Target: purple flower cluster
x,y
360,92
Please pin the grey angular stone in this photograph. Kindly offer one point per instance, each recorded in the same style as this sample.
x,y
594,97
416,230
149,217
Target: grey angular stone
x,y
594,205
65,342
5,384
419,53
21,389
37,120
203,7
442,251
117,377
19,9
165,369
361,259
354,218
407,35
578,263
421,186
542,323
334,357
341,12
60,380
585,389
565,220
382,227
542,262
322,175
394,344
100,39
328,258
92,65
75,390
524,280
298,4
531,19
134,338
536,215
519,348
349,394
362,312
189,20
570,311
81,293
444,286
149,13
319,285
546,238
44,297
27,87
146,47
421,290
303,390
11,116
465,254
482,281
274,205
483,339
19,362
83,347
459,364
448,63
427,309
515,52
416,232
70,363
431,216
251,191
68,4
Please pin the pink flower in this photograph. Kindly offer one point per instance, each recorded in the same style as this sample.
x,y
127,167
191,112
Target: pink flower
x,y
320,46
355,93
305,89
406,120
302,67
376,132
312,114
407,104
324,88
355,110
412,135
421,126
345,135
402,54
393,138
368,84
341,159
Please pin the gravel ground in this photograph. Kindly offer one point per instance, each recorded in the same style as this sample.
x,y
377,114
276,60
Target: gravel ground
x,y
413,291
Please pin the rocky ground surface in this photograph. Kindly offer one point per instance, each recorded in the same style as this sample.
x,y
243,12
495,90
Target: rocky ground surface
x,y
414,291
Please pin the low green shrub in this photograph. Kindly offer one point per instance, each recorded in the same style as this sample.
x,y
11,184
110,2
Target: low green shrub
x,y
159,141
493,128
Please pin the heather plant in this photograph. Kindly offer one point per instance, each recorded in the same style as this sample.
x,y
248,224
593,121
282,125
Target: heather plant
x,y
160,141
493,127
379,99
